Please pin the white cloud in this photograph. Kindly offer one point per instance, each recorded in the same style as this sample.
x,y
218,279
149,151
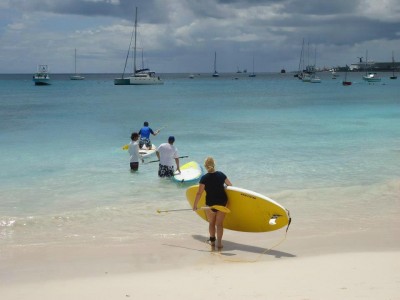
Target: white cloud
x,y
384,10
183,34
16,26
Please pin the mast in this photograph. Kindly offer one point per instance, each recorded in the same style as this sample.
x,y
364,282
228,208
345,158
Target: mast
x,y
315,58
393,62
393,67
134,48
301,61
75,61
142,60
129,48
215,62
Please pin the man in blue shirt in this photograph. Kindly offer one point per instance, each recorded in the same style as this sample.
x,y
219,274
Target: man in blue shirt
x,y
144,133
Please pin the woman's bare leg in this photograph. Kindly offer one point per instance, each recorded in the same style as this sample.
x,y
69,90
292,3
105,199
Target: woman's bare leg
x,y
219,222
211,217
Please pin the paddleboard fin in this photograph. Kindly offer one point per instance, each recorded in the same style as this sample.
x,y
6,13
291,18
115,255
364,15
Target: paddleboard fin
x,y
289,221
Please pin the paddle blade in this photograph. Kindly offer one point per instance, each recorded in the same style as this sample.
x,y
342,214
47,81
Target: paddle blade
x,y
221,208
125,147
169,210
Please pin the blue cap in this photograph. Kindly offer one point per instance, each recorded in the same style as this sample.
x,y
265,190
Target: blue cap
x,y
171,139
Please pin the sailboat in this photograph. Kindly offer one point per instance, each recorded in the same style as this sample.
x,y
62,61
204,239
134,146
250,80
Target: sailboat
x,y
299,74
369,76
215,74
345,82
253,74
123,80
393,68
76,76
304,73
140,76
313,76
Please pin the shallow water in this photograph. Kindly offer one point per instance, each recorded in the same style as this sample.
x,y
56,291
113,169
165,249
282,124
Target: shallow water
x,y
330,154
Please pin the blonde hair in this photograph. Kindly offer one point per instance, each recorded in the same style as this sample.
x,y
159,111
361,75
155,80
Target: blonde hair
x,y
209,164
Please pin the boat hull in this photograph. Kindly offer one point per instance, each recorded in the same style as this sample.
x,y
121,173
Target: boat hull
x,y
372,79
77,77
145,81
315,79
122,81
41,82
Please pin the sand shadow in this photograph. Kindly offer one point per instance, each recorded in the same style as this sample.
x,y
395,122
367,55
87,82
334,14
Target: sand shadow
x,y
187,248
232,246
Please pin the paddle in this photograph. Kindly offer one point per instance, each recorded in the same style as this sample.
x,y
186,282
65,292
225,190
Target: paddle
x,y
217,207
159,160
158,130
126,147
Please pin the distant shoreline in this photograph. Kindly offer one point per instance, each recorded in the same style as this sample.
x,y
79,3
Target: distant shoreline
x,y
111,76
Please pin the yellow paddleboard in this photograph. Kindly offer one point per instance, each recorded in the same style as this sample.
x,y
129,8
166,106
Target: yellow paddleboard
x,y
250,211
190,173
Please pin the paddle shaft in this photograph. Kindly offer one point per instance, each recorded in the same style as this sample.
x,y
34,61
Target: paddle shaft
x,y
159,160
161,128
217,207
182,209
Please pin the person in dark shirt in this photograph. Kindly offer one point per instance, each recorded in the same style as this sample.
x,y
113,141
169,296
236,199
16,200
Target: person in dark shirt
x,y
213,182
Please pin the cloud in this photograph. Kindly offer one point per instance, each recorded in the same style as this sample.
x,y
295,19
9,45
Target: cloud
x,y
182,35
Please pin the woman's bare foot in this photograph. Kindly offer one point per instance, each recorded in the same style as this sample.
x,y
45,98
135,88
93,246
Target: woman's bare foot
x,y
211,241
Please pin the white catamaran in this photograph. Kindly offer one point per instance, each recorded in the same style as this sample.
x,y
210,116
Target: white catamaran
x,y
140,76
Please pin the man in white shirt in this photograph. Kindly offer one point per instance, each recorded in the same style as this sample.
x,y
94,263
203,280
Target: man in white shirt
x,y
167,153
134,152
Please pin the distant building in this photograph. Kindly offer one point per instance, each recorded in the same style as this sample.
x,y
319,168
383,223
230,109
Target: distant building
x,y
375,66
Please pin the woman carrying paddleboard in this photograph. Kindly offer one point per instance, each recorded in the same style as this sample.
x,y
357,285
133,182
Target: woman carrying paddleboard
x,y
214,184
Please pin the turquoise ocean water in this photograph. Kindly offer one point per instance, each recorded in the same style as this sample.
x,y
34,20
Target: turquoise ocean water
x,y
326,152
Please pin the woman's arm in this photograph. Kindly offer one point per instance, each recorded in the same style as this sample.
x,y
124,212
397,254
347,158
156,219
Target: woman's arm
x,y
198,196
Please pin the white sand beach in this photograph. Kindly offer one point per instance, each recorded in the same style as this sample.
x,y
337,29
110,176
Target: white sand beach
x,y
76,224
361,265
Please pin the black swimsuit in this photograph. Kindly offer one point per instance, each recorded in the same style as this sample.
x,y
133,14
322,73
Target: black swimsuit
x,y
215,188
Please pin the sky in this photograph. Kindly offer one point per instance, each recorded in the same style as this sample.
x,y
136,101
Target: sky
x,y
181,36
